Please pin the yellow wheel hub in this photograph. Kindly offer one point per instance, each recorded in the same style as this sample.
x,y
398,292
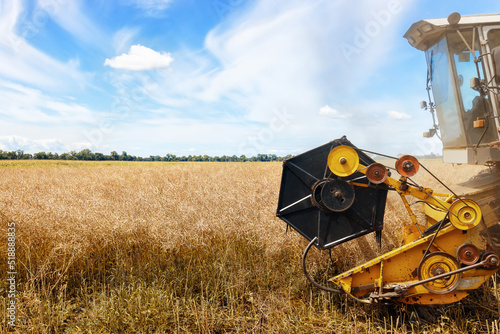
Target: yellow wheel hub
x,y
465,214
343,160
435,264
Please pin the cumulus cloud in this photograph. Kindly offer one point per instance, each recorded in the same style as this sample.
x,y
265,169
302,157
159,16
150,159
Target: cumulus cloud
x,y
333,113
33,145
12,143
397,115
140,58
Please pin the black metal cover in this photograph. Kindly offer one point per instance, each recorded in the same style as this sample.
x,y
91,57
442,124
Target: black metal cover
x,y
300,206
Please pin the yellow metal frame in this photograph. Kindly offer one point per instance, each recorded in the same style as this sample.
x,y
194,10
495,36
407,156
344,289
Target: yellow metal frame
x,y
399,267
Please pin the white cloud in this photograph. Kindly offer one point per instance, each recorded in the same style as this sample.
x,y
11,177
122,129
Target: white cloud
x,y
29,105
397,115
31,145
12,143
70,16
140,58
25,63
333,113
272,55
286,54
122,38
151,7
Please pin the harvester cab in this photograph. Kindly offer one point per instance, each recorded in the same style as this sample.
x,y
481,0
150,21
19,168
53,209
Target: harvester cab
x,y
463,73
337,192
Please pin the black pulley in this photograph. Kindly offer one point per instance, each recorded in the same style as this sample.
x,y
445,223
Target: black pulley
x,y
337,195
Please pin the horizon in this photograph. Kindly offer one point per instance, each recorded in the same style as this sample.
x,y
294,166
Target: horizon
x,y
20,154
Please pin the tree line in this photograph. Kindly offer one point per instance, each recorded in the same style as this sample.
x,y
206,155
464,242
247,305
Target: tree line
x,y
87,154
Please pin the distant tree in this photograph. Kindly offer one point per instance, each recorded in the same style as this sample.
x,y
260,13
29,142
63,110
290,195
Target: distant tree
x,y
11,155
87,154
169,157
123,156
40,155
115,155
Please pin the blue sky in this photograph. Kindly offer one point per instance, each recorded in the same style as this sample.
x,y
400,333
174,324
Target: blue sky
x,y
214,77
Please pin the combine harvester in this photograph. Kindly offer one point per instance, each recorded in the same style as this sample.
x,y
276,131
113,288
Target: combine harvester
x,y
337,192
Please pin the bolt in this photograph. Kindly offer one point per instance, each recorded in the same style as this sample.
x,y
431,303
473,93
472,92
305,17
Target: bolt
x,y
407,165
337,194
343,161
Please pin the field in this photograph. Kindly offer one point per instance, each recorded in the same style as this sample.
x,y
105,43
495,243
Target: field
x,y
190,247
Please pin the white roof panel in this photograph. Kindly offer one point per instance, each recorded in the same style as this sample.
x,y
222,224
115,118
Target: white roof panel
x,y
424,33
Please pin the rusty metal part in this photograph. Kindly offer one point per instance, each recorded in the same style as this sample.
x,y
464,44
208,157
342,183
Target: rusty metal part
x,y
337,195
376,173
387,296
437,264
490,260
468,254
407,165
316,194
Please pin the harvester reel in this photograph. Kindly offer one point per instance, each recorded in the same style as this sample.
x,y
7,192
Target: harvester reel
x,y
438,263
324,194
465,214
343,160
407,165
377,173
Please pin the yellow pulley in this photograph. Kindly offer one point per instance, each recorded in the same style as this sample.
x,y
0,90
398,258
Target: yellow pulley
x,y
465,214
343,160
435,264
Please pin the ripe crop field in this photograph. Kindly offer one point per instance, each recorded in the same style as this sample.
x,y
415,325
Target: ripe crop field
x,y
190,247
